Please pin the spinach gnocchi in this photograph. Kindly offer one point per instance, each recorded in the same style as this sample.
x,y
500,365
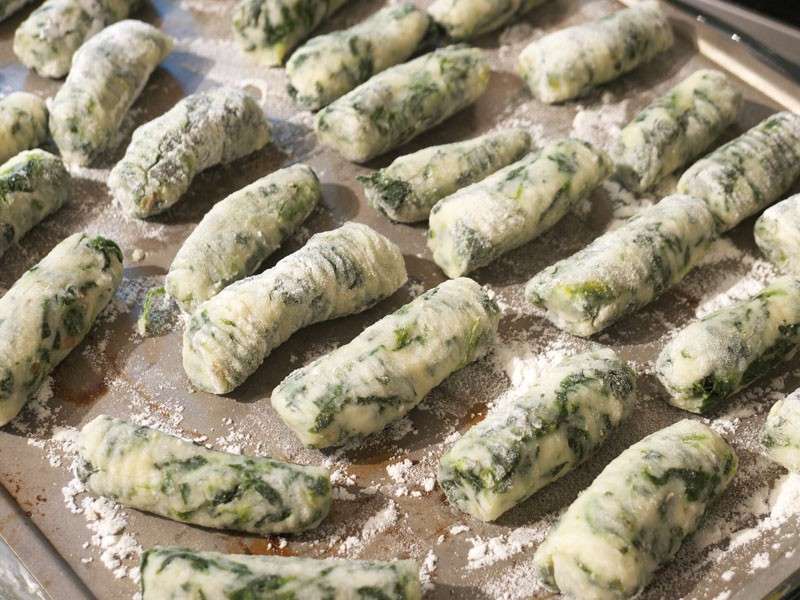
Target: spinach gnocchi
x,y
176,573
570,62
777,234
402,102
390,367
149,470
337,273
727,350
270,29
467,19
749,173
328,66
108,74
636,514
407,189
240,232
49,38
480,223
23,123
33,185
626,268
531,440
49,310
781,432
675,128
199,132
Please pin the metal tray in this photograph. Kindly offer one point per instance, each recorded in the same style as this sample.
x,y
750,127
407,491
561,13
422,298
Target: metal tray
x,y
115,371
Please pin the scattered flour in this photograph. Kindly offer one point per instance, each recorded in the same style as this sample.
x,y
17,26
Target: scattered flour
x,y
485,552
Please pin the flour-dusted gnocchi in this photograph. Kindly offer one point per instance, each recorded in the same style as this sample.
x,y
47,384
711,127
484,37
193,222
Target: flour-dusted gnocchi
x,y
49,310
238,233
777,234
407,189
676,128
531,440
626,268
781,432
727,350
201,131
480,223
636,514
749,173
9,7
390,367
149,470
270,29
337,273
108,74
49,38
467,19
328,66
402,102
33,185
23,123
181,574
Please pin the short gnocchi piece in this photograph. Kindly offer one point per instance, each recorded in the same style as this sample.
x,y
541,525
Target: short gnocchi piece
x,y
781,432
529,441
468,19
657,491
23,123
337,273
570,62
178,573
149,470
240,232
108,74
407,189
361,387
328,66
49,310
626,268
727,350
201,131
478,224
402,102
777,234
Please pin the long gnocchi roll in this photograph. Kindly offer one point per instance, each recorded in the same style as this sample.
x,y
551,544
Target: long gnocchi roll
x,y
675,128
9,7
749,173
33,185
402,102
727,350
636,514
49,38
388,369
240,232
23,123
480,223
570,62
781,432
201,131
149,470
337,273
270,29
407,189
530,441
328,66
624,269
467,19
777,234
49,310
181,574
108,74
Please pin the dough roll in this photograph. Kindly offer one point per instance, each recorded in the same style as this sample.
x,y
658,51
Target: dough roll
x,y
781,432
149,470
387,370
23,123
529,441
727,350
777,234
468,19
337,273
636,514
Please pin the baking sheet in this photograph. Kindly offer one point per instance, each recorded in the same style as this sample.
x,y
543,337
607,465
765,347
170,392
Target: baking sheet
x,y
380,513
